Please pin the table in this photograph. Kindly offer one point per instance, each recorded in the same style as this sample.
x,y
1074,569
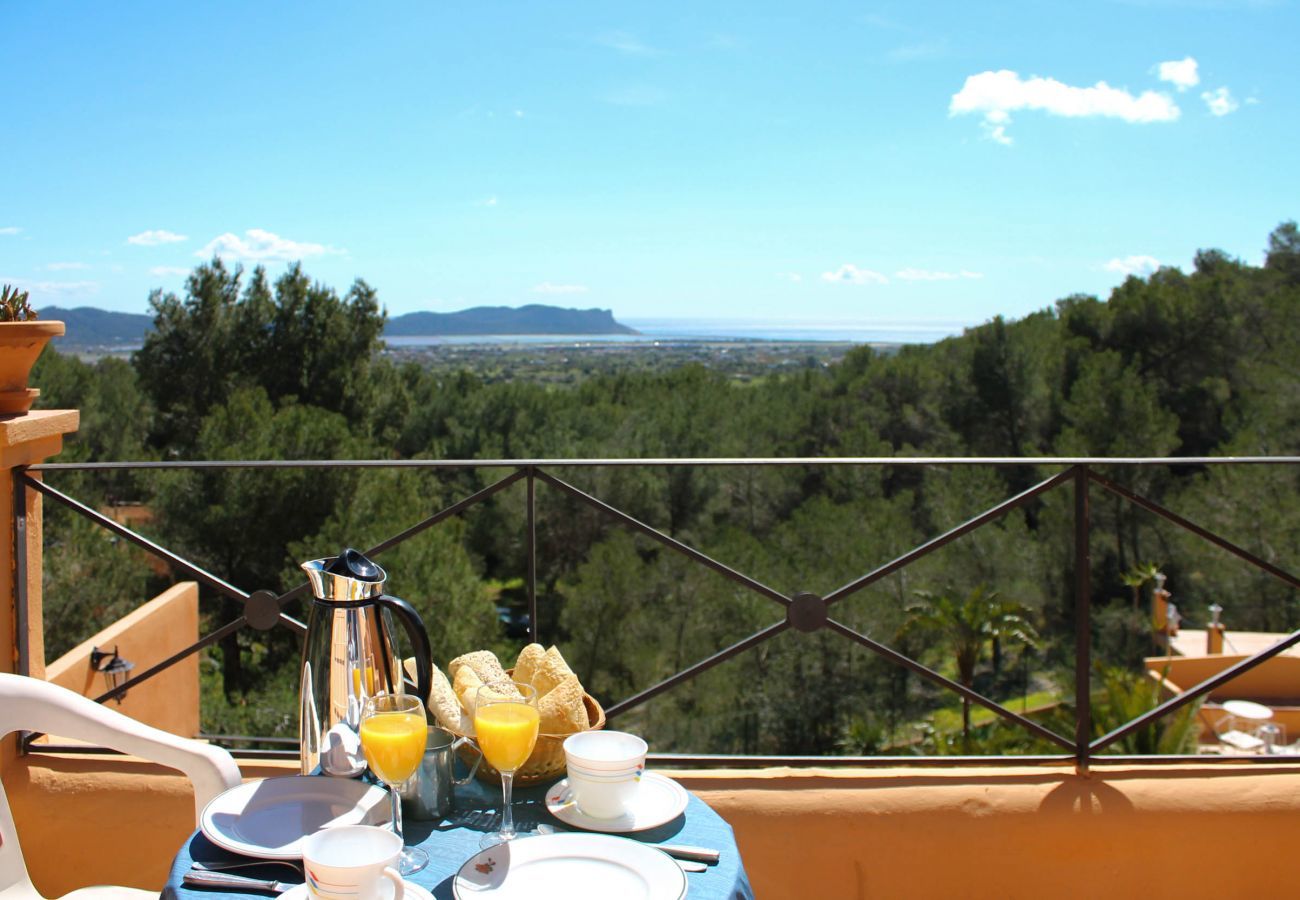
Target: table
x,y
455,839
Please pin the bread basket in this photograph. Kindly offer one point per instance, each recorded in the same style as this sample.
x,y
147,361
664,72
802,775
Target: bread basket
x,y
546,762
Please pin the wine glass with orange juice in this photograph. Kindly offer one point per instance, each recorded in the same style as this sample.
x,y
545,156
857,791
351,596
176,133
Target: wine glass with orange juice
x,y
393,734
506,724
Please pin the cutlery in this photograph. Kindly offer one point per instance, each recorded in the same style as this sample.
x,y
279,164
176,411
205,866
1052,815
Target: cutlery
x,y
689,866
698,854
222,866
201,878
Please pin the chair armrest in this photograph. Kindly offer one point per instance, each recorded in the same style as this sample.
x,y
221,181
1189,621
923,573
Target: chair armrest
x,y
34,705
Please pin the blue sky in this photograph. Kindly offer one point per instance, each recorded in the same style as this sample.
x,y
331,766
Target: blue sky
x,y
824,161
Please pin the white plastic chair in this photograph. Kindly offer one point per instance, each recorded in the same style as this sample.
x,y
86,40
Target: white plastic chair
x,y
33,705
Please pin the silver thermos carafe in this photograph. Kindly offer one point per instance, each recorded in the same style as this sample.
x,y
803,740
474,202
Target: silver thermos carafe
x,y
349,655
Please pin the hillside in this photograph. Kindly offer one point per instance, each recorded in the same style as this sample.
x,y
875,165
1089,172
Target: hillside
x,y
90,327
531,319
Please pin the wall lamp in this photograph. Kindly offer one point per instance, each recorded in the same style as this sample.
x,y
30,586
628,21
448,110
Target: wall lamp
x,y
113,666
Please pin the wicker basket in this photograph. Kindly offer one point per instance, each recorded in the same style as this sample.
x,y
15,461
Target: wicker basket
x,y
546,762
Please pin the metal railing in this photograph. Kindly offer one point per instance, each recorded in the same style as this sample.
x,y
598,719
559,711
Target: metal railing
x,y
802,611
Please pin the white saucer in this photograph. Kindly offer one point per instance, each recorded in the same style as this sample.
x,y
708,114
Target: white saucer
x,y
659,800
412,891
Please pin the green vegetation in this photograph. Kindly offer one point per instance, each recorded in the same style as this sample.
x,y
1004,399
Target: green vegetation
x,y
1199,363
15,305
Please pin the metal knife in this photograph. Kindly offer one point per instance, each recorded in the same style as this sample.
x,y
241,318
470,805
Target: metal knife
x,y
200,878
699,854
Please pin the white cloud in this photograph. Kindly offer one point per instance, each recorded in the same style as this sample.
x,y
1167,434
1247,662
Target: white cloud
x,y
10,229
998,94
1133,265
66,266
166,271
488,201
626,44
1220,101
154,238
926,275
1181,73
40,289
793,277
851,274
922,52
547,288
259,245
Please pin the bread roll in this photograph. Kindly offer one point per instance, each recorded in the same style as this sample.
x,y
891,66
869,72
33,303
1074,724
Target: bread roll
x,y
562,710
526,665
484,663
551,671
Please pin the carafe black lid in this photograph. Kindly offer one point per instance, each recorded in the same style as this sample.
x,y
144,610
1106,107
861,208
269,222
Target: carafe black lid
x,y
354,564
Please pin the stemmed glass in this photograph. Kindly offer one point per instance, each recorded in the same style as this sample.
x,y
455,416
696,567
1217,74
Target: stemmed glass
x,y
393,735
506,724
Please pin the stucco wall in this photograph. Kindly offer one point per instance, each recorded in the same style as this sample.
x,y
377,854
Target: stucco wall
x,y
146,636
1189,831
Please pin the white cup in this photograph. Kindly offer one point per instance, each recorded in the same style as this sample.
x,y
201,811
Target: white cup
x,y
349,862
605,771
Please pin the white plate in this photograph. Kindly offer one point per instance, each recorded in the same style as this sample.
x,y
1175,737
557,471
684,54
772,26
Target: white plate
x,y
658,801
411,891
269,818
570,866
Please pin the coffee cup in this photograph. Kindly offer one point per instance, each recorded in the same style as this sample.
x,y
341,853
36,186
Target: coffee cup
x,y
604,771
350,862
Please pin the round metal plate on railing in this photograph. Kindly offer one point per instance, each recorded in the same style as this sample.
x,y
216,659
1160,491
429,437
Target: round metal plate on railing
x,y
806,612
262,610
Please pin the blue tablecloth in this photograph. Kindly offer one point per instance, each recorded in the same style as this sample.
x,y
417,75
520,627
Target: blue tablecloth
x,y
452,841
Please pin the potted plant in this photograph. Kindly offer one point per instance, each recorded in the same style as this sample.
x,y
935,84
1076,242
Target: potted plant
x,y
22,338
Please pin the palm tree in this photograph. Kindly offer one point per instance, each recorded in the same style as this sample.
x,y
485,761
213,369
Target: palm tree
x,y
966,626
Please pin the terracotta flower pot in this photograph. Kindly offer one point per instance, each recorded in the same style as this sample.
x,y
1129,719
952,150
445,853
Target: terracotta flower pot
x,y
20,344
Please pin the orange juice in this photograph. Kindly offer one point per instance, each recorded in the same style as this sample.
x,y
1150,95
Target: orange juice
x,y
506,733
394,744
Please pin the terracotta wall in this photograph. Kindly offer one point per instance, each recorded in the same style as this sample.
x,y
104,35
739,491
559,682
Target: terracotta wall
x,y
147,636
1169,831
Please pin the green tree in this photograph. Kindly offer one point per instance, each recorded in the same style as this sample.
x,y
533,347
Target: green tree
x,y
966,626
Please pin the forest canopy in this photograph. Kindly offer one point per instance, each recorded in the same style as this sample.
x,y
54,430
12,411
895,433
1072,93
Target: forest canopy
x,y
1187,364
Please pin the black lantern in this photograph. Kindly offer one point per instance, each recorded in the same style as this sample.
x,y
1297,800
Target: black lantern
x,y
114,667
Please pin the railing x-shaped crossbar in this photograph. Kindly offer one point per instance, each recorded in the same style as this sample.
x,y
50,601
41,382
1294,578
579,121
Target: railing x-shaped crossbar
x,y
803,611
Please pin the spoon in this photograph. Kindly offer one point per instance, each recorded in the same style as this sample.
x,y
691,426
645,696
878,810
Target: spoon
x,y
226,865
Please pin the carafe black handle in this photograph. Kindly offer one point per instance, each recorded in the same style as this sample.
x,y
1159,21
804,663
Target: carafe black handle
x,y
414,626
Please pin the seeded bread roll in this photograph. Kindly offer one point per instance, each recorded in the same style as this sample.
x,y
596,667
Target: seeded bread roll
x,y
442,701
484,663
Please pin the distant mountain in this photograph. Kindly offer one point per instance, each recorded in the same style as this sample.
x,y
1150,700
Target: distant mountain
x,y
90,327
531,319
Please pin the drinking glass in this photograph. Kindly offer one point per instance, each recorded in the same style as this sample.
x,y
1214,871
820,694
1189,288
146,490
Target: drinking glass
x,y
393,734
506,725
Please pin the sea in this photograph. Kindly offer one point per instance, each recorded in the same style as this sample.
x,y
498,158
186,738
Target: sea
x,y
652,331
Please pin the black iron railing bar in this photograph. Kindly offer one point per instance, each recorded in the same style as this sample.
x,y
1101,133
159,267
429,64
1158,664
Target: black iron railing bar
x,y
1192,693
1082,617
1016,461
735,761
206,641
671,542
946,538
1204,533
944,682
22,622
212,581
530,537
29,737
690,672
455,509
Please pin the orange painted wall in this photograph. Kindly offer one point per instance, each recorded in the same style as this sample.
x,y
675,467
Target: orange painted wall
x,y
1276,679
147,636
1191,831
